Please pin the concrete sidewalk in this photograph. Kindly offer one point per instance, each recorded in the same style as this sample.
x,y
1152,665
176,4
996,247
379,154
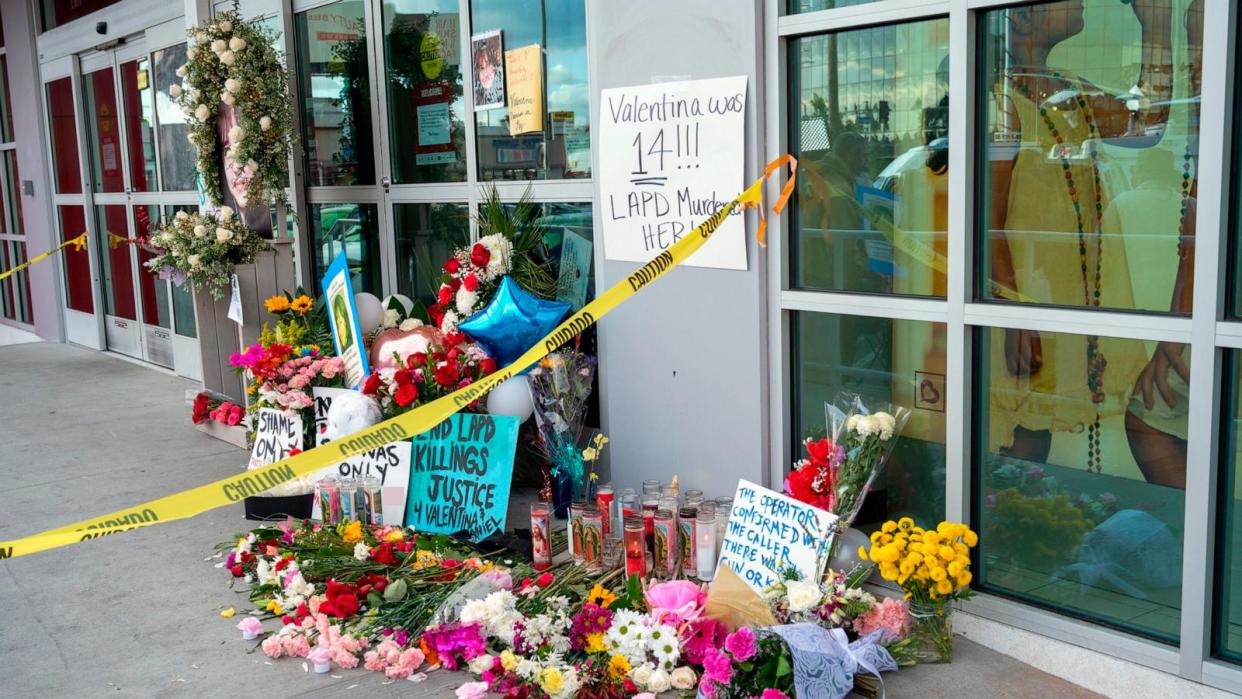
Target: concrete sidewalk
x,y
137,614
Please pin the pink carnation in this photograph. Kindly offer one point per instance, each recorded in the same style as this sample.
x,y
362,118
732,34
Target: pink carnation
x,y
741,644
891,617
271,646
770,693
675,602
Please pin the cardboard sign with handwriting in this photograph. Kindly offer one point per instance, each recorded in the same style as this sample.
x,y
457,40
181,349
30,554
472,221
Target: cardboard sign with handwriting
x,y
769,532
460,475
524,76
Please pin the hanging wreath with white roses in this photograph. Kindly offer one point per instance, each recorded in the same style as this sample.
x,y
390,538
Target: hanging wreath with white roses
x,y
233,71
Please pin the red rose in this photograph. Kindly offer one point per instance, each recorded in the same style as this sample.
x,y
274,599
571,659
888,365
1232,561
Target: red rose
x,y
454,339
235,415
236,570
480,255
446,374
471,282
406,394
416,360
341,607
453,354
487,366
452,266
372,384
383,555
401,377
202,405
446,294
545,579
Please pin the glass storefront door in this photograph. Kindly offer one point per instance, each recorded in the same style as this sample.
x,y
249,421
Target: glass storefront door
x,y
116,188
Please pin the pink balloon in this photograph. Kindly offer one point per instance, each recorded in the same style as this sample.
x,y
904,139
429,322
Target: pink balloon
x,y
402,343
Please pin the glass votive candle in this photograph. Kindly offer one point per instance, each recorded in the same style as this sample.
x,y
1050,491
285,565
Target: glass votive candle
x,y
577,510
665,548
329,496
541,535
592,536
686,523
705,551
627,505
651,486
361,513
349,488
692,495
604,498
373,489
611,557
670,492
635,542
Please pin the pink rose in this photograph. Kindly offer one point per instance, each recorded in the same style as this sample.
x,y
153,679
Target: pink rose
x,y
675,602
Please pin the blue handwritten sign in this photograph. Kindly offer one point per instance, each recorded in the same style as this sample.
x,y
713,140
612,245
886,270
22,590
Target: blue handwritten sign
x,y
769,532
460,475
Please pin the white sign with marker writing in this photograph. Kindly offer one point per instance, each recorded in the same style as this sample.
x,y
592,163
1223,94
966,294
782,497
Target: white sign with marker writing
x,y
769,532
671,154
276,435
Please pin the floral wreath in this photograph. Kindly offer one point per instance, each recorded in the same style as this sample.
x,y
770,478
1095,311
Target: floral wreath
x,y
232,62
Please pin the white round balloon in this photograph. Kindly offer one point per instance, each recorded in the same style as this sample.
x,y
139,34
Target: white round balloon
x,y
511,397
407,305
370,311
847,551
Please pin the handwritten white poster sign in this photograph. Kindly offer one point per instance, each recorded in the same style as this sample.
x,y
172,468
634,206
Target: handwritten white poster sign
x,y
671,154
275,436
769,532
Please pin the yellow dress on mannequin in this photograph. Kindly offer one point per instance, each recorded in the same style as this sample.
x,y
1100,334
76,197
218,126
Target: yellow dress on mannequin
x,y
1042,232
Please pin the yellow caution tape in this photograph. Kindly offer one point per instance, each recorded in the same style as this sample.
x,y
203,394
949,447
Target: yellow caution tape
x,y
78,243
194,501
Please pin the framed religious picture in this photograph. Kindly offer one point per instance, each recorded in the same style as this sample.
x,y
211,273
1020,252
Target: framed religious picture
x,y
487,51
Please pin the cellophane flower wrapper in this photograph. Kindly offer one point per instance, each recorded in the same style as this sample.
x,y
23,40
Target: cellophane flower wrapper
x,y
560,386
867,433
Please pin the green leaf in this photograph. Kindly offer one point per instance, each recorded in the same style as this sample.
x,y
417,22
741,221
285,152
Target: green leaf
x,y
374,599
783,667
396,590
634,591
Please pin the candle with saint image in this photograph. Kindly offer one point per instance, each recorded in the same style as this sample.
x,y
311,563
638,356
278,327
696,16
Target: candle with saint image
x,y
635,547
541,535
705,544
577,509
603,500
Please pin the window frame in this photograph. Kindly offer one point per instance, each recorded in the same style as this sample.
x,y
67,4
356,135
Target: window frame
x,y
1208,330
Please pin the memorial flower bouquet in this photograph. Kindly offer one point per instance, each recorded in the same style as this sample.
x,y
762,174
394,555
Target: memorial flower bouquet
x,y
451,362
560,386
510,243
835,601
932,566
204,248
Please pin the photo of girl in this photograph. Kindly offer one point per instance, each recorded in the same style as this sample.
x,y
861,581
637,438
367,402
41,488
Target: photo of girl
x,y
341,322
489,70
256,215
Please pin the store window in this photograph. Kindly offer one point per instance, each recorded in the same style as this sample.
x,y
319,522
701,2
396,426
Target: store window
x,y
332,67
1228,617
884,361
184,322
176,162
427,235
64,133
139,120
57,12
797,6
1088,155
6,108
1081,478
154,291
77,264
15,290
422,45
103,131
115,264
561,149
354,229
869,111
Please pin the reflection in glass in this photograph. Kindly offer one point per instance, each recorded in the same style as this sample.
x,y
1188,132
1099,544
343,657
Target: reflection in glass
x,y
115,264
892,361
872,113
422,43
136,91
15,289
76,262
1089,154
13,222
64,135
184,321
6,106
427,235
353,228
154,290
336,95
797,6
563,149
103,133
1081,502
1228,616
176,161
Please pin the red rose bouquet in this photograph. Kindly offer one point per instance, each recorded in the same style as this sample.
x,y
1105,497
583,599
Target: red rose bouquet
x,y
447,366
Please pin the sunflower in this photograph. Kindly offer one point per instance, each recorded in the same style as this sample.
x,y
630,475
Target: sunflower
x,y
277,304
302,304
601,596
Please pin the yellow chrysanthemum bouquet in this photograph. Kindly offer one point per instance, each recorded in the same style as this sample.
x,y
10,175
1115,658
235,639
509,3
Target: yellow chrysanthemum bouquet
x,y
932,566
